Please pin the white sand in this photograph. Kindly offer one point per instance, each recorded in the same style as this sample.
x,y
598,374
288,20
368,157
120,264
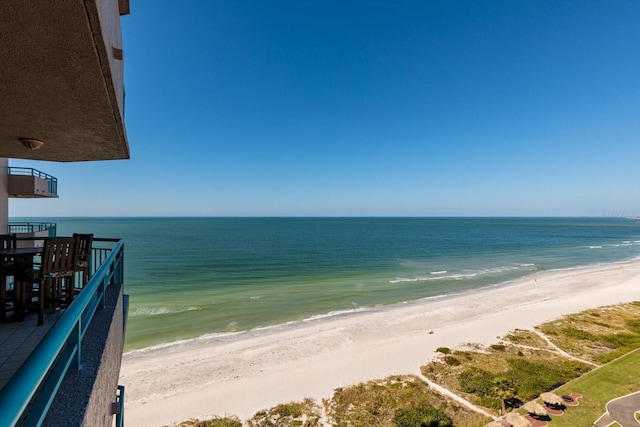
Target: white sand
x,y
259,370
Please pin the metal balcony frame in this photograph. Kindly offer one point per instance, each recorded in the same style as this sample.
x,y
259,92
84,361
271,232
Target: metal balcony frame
x,y
32,227
52,180
29,394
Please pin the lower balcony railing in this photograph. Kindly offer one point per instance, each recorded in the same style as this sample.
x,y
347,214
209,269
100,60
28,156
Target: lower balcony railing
x,y
27,397
51,181
33,227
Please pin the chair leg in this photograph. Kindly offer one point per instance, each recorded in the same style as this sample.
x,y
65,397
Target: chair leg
x,y
58,299
69,283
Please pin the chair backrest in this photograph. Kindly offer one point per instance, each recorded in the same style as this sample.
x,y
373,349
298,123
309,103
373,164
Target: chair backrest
x,y
58,255
84,242
8,241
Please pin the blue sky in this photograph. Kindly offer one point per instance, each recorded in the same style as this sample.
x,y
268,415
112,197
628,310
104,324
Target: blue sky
x,y
356,107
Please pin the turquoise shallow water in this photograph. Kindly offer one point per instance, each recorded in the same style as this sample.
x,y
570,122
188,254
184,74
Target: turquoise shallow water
x,y
192,276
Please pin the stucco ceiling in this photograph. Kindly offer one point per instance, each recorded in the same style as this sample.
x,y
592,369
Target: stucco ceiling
x,y
55,82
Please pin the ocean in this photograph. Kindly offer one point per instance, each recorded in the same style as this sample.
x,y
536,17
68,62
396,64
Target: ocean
x,y
189,277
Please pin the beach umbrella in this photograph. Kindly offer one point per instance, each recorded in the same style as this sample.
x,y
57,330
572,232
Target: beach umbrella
x,y
517,420
535,408
551,398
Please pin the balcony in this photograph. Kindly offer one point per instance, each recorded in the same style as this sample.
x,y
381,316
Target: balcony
x,y
31,183
25,228
27,232
40,376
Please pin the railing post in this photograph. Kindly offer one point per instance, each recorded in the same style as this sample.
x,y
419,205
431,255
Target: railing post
x,y
120,268
120,413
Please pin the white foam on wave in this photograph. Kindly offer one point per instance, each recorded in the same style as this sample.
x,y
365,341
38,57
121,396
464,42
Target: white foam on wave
x,y
233,325
237,333
418,279
335,313
157,311
594,247
462,276
442,275
183,343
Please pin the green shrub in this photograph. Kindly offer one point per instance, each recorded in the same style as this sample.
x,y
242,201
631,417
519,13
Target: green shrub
x,y
477,381
606,358
375,403
466,354
634,325
218,422
292,409
604,325
422,416
532,378
451,361
579,334
287,415
443,350
623,342
492,403
498,347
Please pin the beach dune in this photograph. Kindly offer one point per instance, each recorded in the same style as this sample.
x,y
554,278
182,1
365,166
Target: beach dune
x,y
243,373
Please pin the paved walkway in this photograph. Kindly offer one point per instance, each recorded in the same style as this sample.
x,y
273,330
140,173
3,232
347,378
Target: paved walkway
x,y
604,420
623,409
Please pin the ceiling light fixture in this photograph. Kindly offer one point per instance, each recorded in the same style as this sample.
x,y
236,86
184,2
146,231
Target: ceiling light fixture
x,y
32,144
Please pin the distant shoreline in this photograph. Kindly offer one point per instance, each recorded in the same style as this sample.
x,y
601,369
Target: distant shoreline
x,y
309,359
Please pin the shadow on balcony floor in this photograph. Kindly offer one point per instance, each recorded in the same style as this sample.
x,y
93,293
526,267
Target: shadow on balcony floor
x,y
18,340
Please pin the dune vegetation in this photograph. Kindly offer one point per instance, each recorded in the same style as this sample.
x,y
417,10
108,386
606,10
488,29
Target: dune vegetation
x,y
496,378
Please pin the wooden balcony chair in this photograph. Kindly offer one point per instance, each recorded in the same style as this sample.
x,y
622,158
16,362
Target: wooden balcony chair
x,y
84,242
7,268
50,287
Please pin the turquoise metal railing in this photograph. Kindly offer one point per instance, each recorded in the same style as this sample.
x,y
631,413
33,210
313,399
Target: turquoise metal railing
x,y
28,395
32,227
120,402
53,181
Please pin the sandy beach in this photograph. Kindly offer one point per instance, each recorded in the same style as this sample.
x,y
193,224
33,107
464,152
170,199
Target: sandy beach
x,y
247,372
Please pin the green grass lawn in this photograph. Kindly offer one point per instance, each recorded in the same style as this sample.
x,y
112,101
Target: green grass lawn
x,y
617,378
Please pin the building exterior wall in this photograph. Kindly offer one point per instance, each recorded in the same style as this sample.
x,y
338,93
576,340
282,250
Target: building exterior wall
x,y
109,13
28,186
31,243
4,195
86,395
